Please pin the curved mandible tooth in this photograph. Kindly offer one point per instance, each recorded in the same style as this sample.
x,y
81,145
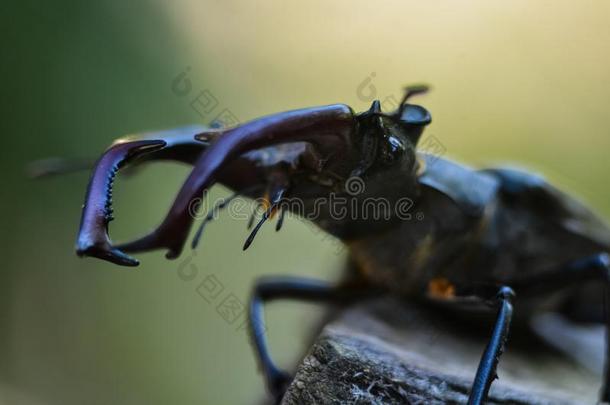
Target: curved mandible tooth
x,y
108,210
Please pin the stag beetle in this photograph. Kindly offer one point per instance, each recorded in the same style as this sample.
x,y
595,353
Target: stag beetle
x,y
485,234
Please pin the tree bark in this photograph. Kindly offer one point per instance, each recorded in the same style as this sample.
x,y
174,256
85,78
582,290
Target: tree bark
x,y
388,352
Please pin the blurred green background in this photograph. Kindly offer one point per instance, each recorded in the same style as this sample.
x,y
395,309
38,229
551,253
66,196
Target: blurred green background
x,y
521,81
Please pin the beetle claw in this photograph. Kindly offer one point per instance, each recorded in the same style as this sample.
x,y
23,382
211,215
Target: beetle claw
x,y
93,239
108,253
150,242
217,156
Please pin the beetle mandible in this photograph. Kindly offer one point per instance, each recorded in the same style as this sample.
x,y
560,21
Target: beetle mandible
x,y
485,234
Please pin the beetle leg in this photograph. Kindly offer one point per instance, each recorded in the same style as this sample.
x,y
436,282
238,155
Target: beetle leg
x,y
596,267
271,288
486,371
441,291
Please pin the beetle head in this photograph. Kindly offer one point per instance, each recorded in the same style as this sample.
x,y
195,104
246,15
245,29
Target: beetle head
x,y
387,140
381,170
387,143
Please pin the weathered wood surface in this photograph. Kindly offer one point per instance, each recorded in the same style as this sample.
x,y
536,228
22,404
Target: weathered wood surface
x,y
389,352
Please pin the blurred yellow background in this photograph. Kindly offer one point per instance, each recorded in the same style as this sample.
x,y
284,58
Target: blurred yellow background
x,y
523,82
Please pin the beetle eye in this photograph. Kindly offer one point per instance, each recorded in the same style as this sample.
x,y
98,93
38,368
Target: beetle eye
x,y
392,150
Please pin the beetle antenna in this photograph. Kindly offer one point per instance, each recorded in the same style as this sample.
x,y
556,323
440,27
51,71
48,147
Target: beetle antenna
x,y
272,207
209,217
214,212
280,220
260,223
58,166
411,91
252,217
